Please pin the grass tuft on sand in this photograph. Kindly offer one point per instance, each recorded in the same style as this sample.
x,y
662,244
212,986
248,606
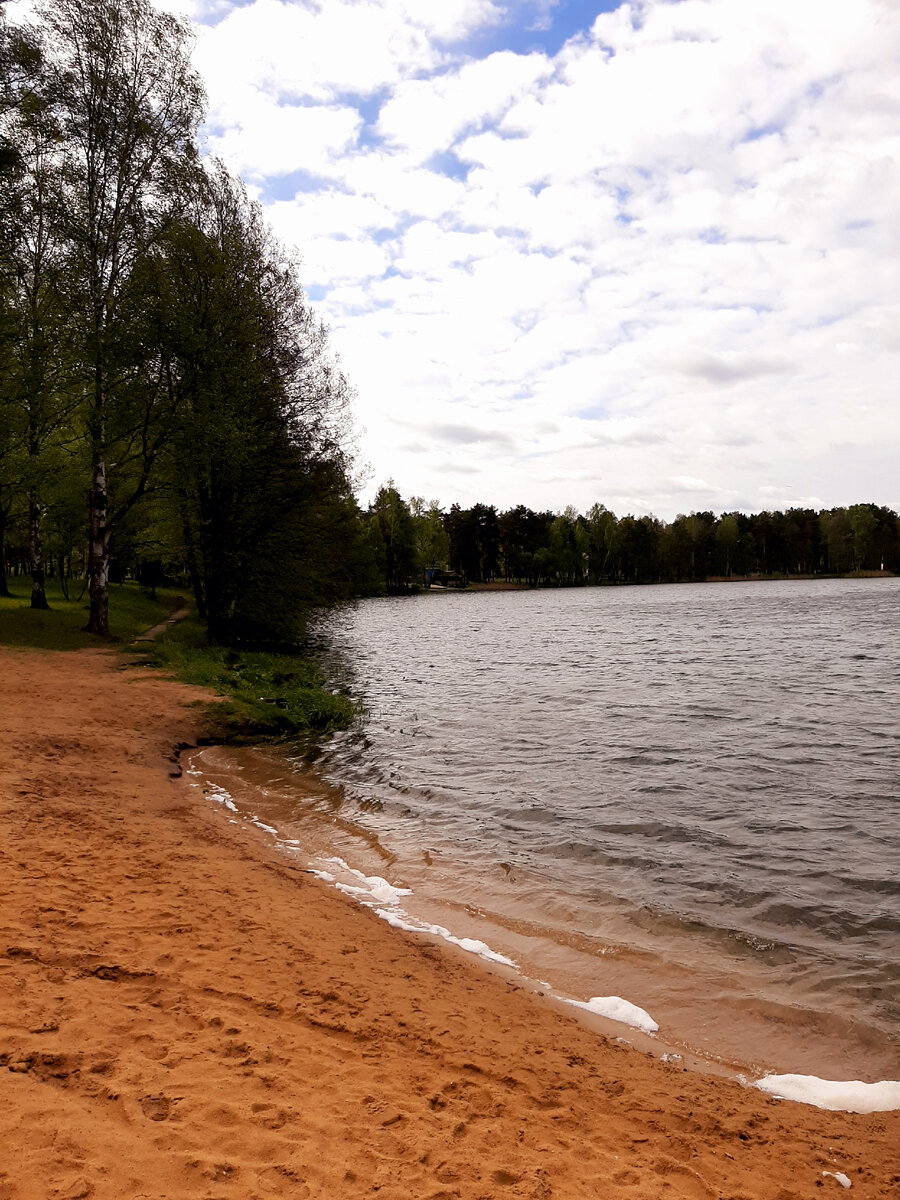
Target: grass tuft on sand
x,y
266,695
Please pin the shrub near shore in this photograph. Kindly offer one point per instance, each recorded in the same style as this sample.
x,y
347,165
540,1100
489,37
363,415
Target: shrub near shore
x,y
265,695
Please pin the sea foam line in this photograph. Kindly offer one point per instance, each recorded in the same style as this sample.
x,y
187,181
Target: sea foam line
x,y
376,893
383,898
850,1095
614,1008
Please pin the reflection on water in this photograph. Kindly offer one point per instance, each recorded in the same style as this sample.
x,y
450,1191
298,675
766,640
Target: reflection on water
x,y
684,795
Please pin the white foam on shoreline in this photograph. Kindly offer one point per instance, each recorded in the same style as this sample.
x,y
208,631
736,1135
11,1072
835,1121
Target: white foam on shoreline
x,y
220,796
401,920
850,1095
371,888
614,1008
383,898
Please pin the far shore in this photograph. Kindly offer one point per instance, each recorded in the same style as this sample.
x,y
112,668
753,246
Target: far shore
x,y
502,585
185,1013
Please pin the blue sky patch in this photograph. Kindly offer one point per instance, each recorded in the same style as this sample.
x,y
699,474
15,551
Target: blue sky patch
x,y
545,33
447,163
761,131
286,187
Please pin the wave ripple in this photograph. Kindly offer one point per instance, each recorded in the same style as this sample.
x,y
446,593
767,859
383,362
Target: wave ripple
x,y
708,761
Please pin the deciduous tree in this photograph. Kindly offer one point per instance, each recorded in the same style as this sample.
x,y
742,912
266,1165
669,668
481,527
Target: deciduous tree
x,y
127,103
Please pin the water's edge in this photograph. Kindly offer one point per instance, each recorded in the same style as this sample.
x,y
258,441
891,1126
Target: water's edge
x,y
321,847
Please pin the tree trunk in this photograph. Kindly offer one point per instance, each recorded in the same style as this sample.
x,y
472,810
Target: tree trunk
x,y
4,586
191,552
98,551
38,594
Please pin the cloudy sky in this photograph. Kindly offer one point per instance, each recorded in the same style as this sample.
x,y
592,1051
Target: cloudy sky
x,y
575,250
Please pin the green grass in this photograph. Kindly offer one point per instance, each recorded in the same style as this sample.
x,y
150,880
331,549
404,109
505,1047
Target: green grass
x,y
132,610
266,695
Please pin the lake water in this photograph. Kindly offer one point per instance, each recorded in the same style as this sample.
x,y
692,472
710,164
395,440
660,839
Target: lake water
x,y
687,796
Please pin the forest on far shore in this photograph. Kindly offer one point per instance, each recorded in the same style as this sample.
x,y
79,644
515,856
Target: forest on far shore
x,y
170,408
412,539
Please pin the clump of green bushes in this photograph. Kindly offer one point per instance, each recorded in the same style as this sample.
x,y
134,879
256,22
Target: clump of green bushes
x,y
265,695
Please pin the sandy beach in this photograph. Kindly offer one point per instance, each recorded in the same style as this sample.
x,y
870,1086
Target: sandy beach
x,y
184,1013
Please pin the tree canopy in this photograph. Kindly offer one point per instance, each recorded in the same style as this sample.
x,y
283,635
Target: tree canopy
x,y
158,356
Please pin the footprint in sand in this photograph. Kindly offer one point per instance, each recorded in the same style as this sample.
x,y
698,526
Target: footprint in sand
x,y
157,1108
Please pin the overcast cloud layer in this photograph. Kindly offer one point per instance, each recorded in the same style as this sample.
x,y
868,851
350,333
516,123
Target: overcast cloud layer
x,y
646,256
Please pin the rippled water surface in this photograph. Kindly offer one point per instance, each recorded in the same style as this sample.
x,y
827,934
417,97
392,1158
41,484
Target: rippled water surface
x,y
685,795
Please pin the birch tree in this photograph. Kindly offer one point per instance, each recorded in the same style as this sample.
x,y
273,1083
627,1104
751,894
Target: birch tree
x,y
128,103
39,400
18,60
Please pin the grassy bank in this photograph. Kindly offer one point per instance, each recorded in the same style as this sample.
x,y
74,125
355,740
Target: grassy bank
x,y
131,611
264,695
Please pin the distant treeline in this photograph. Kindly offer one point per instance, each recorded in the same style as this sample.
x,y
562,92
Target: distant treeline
x,y
481,545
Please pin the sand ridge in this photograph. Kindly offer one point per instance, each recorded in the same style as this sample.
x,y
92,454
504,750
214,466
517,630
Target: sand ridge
x,y
183,1013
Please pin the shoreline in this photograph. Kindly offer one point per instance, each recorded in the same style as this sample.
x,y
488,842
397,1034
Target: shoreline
x,y
183,1009
712,1016
510,586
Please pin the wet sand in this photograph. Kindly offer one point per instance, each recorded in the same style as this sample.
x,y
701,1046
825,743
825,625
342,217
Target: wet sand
x,y
185,1014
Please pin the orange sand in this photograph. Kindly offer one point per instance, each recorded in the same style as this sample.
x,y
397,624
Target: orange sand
x,y
184,1014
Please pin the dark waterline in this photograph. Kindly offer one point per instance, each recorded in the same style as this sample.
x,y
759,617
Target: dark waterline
x,y
687,795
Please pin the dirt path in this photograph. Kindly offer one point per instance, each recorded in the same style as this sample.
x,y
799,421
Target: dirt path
x,y
184,1015
158,630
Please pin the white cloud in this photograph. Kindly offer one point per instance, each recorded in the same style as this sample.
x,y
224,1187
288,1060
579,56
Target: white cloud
x,y
310,50
323,213
664,264
329,261
424,116
407,191
265,139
